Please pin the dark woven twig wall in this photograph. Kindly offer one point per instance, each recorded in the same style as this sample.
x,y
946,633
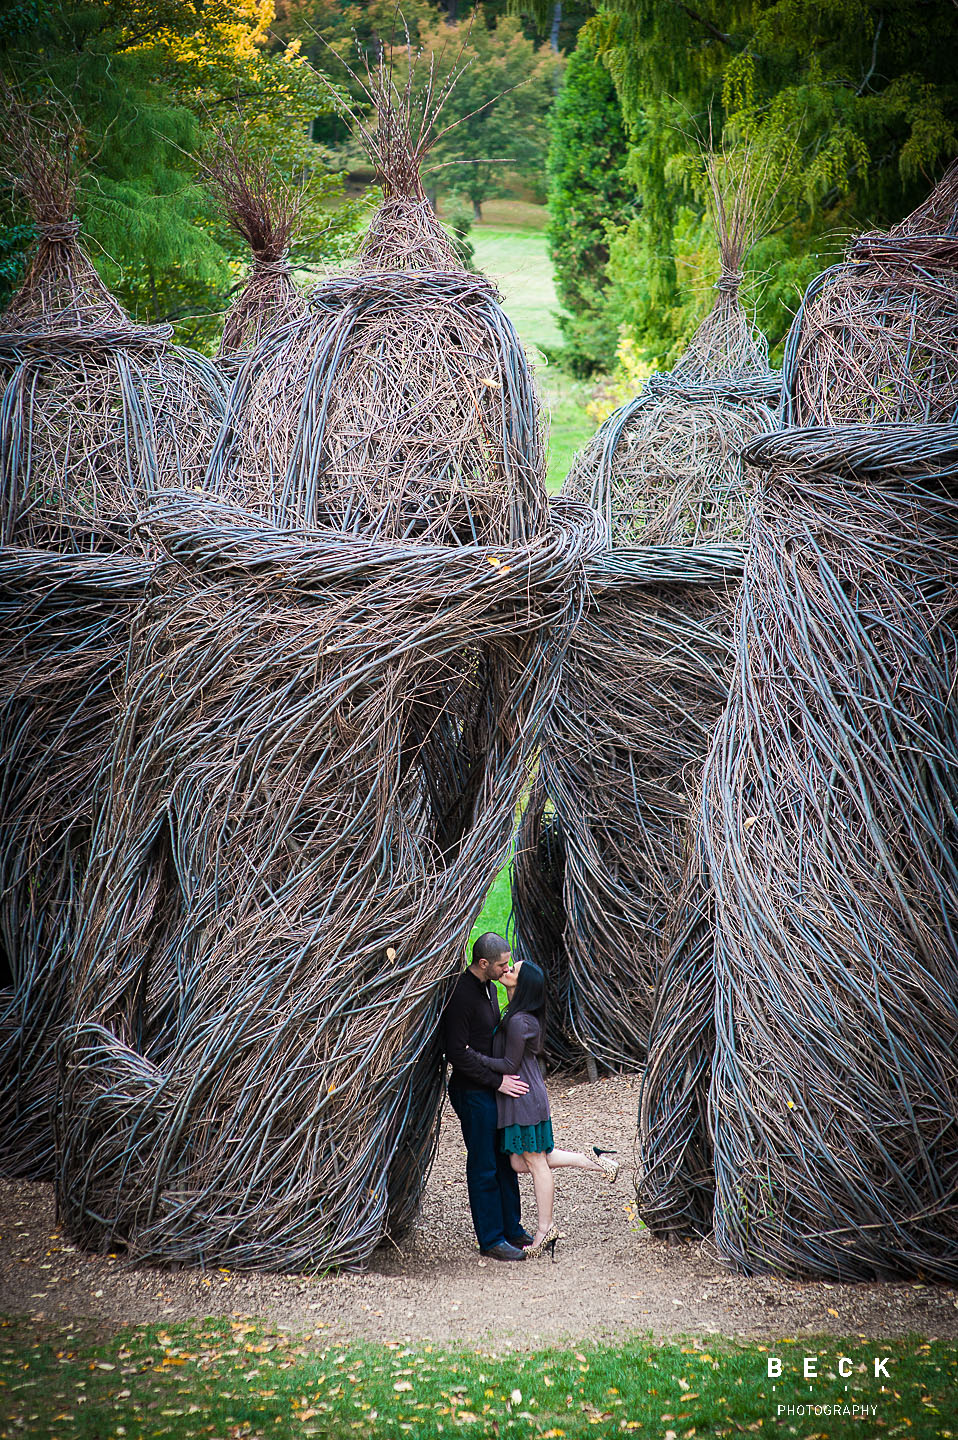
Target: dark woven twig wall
x,y
263,211
328,727
538,918
860,346
829,809
644,681
314,792
675,1182
95,412
65,624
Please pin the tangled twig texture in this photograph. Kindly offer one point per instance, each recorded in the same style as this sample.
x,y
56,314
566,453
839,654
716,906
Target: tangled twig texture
x,y
334,691
817,1074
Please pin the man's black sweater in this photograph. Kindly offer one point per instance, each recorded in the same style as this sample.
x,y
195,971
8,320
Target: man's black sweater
x,y
469,1020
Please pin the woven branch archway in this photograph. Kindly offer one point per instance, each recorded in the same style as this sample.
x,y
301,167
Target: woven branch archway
x,y
645,678
256,1076
328,723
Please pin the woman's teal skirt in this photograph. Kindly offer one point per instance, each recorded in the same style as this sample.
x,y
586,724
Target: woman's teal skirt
x,y
533,1138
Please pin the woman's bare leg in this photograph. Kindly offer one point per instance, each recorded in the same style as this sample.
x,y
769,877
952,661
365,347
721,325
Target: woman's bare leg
x,y
559,1160
544,1187
571,1160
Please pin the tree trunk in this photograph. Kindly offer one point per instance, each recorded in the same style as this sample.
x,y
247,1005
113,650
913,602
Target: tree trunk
x,y
556,22
476,211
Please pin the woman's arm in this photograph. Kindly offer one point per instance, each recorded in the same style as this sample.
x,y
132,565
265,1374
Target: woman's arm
x,y
520,1029
499,1064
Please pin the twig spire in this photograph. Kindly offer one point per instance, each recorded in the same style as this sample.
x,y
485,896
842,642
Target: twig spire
x,y
263,210
727,343
42,150
405,233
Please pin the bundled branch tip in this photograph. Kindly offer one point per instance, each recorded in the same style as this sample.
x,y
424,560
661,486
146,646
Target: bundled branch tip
x,y
263,209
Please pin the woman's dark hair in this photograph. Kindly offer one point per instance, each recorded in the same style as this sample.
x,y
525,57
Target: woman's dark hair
x,y
529,997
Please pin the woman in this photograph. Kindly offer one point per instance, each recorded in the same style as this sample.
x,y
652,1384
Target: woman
x,y
525,1122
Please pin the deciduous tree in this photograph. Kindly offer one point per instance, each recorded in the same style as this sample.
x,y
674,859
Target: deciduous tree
x,y
149,79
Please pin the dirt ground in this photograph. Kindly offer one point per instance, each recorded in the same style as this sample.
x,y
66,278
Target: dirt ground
x,y
611,1278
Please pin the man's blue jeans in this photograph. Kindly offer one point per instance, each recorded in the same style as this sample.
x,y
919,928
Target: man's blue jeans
x,y
490,1179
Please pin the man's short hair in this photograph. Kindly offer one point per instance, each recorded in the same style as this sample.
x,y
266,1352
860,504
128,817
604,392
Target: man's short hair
x,y
490,947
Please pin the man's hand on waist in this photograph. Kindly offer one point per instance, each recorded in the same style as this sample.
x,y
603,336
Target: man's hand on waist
x,y
512,1085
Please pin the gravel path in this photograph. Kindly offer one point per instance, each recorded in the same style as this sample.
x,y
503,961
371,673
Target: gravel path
x,y
610,1277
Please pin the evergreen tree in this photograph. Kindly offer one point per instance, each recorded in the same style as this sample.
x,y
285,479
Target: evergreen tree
x,y
855,102
589,195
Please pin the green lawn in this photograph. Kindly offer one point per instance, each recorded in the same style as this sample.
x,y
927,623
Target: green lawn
x,y
233,1380
518,263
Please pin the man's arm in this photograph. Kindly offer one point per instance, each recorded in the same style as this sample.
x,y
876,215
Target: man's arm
x,y
506,1067
511,1084
458,1051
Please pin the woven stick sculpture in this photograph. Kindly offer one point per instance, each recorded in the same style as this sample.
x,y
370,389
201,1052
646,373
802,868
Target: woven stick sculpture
x,y
829,823
401,405
645,679
327,730
830,796
262,209
96,412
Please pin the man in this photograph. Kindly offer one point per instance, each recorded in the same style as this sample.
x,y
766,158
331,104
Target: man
x,y
468,1024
